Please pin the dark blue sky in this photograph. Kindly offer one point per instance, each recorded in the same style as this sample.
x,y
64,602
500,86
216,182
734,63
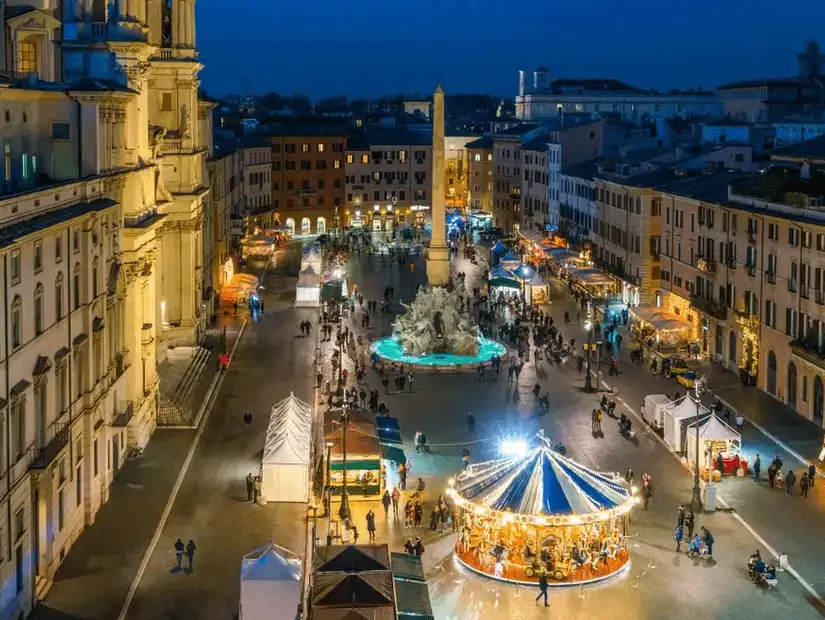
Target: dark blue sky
x,y
374,47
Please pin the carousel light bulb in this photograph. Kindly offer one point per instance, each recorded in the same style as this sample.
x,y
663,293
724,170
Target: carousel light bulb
x,y
451,482
634,489
636,500
479,510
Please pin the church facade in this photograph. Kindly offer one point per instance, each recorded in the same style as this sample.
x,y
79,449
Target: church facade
x,y
104,143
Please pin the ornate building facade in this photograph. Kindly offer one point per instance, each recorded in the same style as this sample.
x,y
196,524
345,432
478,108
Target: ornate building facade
x,y
104,144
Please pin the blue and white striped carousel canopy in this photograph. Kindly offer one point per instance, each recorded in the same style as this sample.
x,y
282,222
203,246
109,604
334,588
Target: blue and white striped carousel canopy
x,y
541,483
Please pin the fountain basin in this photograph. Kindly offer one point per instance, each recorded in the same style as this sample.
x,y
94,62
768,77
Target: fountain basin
x,y
390,349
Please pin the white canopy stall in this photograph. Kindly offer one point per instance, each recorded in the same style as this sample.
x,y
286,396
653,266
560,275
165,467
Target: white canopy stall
x,y
311,256
679,410
308,289
285,463
714,437
270,584
653,409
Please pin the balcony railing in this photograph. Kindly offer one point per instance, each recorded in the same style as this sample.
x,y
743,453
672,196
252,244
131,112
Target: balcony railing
x,y
810,350
710,307
731,262
124,414
792,286
42,457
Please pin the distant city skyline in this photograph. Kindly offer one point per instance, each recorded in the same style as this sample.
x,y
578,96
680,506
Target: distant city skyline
x,y
324,48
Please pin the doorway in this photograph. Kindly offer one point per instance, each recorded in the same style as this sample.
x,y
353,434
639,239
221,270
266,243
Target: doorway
x,y
116,454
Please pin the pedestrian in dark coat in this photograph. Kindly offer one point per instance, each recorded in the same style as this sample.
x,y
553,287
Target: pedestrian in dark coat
x,y
419,547
386,501
409,547
757,467
179,551
434,519
804,484
371,525
543,588
418,513
790,479
678,534
190,554
249,487
811,475
690,520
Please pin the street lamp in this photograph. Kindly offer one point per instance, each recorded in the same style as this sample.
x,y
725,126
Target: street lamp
x,y
588,325
344,511
696,501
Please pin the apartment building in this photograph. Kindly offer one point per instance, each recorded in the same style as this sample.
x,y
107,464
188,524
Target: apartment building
x,y
457,170
480,178
507,174
226,176
102,194
308,177
573,139
535,184
388,179
257,176
577,202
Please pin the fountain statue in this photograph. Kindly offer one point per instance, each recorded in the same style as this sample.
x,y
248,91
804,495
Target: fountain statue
x,y
437,322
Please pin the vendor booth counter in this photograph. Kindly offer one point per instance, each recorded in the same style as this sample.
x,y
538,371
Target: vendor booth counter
x,y
366,475
542,513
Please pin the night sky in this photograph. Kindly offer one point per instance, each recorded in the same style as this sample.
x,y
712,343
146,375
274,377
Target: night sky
x,y
372,47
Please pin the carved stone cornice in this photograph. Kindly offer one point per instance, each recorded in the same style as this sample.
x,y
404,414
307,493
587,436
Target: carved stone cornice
x,y
141,266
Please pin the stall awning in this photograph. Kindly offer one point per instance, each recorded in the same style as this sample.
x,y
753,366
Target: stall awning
x,y
504,282
388,434
591,277
391,453
660,320
366,464
412,598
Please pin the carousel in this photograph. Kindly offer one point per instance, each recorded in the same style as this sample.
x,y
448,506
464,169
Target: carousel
x,y
540,512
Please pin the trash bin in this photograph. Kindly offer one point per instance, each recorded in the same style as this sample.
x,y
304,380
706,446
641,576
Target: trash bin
x,y
710,497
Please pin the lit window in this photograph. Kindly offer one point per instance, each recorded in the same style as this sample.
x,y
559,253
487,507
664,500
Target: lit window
x,y
320,148
337,164
365,158
349,158
305,148
27,57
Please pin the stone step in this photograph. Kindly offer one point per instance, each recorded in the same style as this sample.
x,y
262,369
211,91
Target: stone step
x,y
191,376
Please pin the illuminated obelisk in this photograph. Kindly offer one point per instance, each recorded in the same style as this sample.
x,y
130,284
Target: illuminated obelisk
x,y
438,256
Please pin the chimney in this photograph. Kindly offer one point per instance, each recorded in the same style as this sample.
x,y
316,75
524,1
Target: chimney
x,y
540,79
522,83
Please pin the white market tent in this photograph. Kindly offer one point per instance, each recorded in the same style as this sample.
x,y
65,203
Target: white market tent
x,y
713,430
285,463
270,584
654,407
308,289
679,410
311,256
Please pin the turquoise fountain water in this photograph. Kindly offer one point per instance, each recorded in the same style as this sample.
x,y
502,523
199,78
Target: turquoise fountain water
x,y
390,349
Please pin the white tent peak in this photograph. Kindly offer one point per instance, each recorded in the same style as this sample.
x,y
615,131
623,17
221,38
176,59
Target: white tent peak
x,y
271,563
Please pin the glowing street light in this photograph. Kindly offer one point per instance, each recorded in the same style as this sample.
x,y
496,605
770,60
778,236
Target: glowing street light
x,y
513,447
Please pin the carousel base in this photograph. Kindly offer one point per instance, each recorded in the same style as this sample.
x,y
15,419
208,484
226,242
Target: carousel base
x,y
553,583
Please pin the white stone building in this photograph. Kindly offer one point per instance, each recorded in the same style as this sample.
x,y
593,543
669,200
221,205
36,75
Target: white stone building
x,y
103,143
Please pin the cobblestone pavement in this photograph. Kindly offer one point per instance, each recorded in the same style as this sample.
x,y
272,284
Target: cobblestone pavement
x,y
211,507
660,583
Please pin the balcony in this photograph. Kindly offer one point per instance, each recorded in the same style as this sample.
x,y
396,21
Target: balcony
x,y
731,263
809,350
123,415
709,307
306,192
120,366
752,237
707,265
41,458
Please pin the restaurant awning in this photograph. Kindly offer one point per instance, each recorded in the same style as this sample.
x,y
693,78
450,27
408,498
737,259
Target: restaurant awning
x,y
358,465
659,319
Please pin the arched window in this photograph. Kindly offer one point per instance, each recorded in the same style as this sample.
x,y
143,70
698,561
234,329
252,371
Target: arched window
x,y
792,389
58,297
38,309
16,322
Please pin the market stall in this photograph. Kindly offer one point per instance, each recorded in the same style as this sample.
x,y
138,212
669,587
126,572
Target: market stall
x,y
285,461
510,261
676,416
539,511
592,282
538,291
308,289
653,409
269,574
365,474
311,257
392,453
257,246
496,252
718,444
334,283
667,333
239,289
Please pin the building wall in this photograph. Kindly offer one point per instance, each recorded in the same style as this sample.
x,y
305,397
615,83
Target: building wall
x,y
577,208
308,180
387,184
480,179
534,189
633,107
458,170
257,187
507,177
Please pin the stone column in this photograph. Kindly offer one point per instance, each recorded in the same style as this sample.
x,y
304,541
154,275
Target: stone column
x,y
438,255
177,24
193,14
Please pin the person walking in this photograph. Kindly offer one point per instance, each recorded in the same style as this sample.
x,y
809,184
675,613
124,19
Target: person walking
x,y
418,547
757,467
250,486
678,534
790,479
410,381
418,514
811,474
409,547
543,588
471,423
371,525
386,501
804,484
396,496
256,489
190,554
179,551
690,521
707,537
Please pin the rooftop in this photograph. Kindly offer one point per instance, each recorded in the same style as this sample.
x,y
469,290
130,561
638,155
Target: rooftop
x,y
711,188
484,142
10,234
593,84
536,144
365,141
518,130
757,83
787,186
293,130
809,149
585,170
